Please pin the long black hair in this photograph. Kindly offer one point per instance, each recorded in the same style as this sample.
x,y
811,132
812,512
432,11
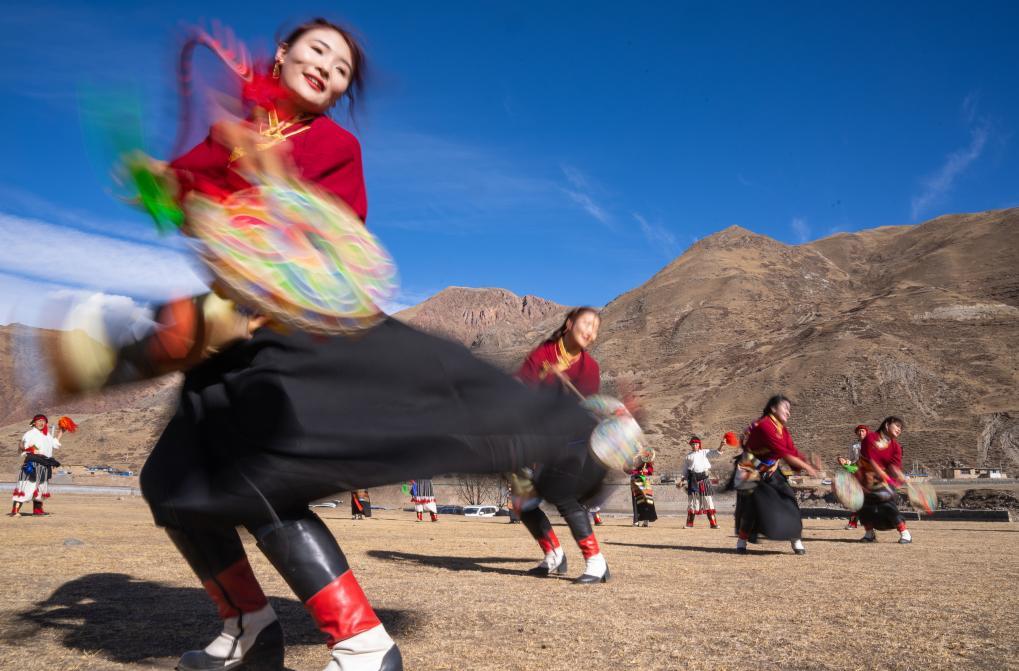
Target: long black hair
x,y
571,318
883,429
773,403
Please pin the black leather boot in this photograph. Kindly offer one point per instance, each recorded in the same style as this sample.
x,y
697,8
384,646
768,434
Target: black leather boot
x,y
588,579
543,571
265,655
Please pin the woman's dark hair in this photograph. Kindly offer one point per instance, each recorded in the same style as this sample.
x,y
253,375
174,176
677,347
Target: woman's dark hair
x,y
359,64
571,317
773,403
888,422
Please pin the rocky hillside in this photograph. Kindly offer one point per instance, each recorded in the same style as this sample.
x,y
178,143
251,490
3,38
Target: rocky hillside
x,y
495,323
919,321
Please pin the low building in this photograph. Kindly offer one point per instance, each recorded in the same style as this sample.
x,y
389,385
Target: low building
x,y
960,473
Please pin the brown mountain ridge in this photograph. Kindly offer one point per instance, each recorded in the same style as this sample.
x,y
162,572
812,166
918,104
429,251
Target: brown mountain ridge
x,y
918,321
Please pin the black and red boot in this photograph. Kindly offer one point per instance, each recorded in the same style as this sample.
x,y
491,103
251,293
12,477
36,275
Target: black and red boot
x,y
595,568
307,556
577,519
252,638
538,524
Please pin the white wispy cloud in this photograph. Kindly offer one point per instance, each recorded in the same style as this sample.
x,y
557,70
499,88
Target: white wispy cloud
x,y
586,202
428,182
659,237
936,186
49,253
575,177
407,298
422,181
19,202
800,228
581,193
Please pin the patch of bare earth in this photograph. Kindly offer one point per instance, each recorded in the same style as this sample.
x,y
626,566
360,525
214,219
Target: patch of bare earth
x,y
97,586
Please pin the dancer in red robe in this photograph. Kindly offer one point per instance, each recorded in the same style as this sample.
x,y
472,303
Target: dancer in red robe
x,y
880,473
563,364
271,419
770,508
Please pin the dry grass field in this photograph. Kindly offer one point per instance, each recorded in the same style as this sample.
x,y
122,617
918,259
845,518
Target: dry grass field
x,y
97,586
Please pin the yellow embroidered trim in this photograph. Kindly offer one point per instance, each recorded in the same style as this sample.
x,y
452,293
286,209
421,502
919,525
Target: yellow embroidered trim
x,y
778,424
275,132
564,360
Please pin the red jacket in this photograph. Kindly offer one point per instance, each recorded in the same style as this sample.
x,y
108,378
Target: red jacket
x,y
769,440
891,455
584,373
325,155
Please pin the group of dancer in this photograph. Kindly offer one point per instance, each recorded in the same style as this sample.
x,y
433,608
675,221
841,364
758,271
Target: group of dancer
x,y
272,419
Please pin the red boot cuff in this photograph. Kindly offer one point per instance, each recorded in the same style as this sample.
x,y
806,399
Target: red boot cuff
x,y
588,546
341,609
236,590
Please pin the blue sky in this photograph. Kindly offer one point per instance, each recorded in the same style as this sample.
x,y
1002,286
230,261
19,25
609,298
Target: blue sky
x,y
567,151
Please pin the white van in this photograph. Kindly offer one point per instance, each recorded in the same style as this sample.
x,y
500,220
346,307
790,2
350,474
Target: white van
x,y
480,511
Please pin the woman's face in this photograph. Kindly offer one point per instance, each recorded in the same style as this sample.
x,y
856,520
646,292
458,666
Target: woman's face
x,y
782,411
894,430
584,330
695,446
40,423
316,69
861,433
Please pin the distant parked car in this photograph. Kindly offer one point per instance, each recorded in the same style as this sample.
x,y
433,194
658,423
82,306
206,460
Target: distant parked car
x,y
325,504
503,512
480,511
449,510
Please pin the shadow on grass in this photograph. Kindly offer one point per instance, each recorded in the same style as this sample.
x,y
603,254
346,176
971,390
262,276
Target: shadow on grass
x,y
130,620
454,563
985,531
696,548
855,540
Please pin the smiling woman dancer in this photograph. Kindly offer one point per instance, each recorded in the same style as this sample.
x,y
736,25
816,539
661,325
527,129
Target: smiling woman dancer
x,y
770,508
880,472
282,418
562,361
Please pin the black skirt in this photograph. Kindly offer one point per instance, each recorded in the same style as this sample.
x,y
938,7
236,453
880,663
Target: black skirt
x,y
880,511
770,509
281,420
644,503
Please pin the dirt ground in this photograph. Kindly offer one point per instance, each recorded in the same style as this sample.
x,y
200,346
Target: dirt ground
x,y
97,586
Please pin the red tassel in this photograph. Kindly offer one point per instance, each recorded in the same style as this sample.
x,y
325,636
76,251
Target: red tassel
x,y
67,424
263,91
